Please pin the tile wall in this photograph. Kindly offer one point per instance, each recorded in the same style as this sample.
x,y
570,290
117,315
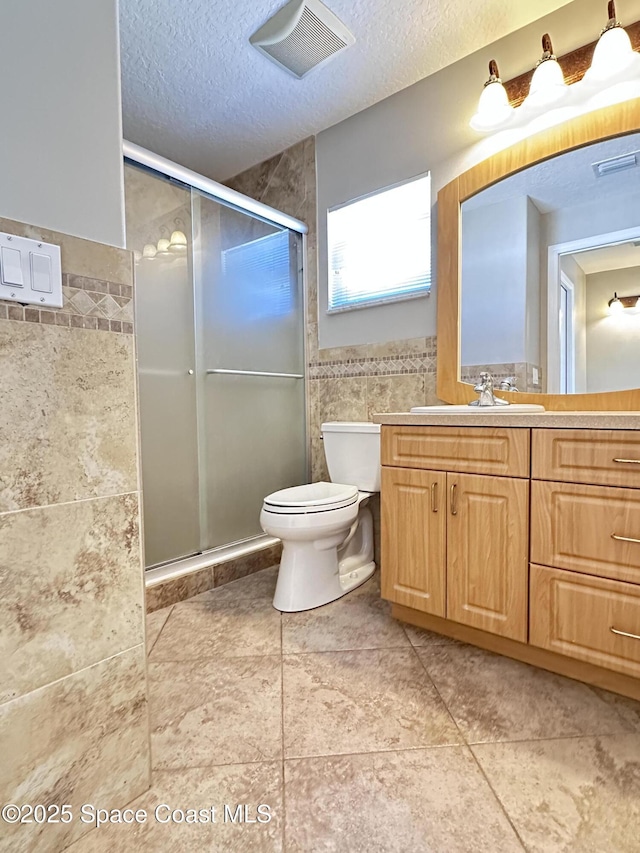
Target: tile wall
x,y
73,696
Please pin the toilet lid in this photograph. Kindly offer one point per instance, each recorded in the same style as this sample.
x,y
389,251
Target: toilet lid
x,y
316,497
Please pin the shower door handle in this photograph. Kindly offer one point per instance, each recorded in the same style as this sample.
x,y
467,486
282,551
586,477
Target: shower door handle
x,y
190,372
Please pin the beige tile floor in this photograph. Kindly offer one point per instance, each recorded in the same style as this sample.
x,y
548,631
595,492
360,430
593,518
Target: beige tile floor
x,y
363,735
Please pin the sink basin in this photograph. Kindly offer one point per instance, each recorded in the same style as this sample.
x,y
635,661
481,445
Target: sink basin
x,y
513,409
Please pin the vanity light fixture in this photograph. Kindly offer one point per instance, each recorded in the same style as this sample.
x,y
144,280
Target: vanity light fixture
x,y
613,53
547,84
614,77
149,252
618,304
163,247
494,109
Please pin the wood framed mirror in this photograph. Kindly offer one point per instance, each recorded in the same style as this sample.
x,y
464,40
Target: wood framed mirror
x,y
489,287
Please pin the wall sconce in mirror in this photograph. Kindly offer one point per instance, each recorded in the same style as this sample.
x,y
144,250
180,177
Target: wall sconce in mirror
x,y
619,303
178,242
612,76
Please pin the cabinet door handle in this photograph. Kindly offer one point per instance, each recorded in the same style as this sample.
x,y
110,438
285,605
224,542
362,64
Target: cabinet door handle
x,y
454,502
624,539
628,461
434,497
623,633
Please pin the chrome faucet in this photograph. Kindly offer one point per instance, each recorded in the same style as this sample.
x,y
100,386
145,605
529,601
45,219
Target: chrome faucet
x,y
508,384
485,389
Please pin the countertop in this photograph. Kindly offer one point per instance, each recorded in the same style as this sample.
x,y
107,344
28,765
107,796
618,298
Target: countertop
x,y
559,420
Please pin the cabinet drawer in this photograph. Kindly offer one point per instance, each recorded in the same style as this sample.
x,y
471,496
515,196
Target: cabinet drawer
x,y
463,450
590,529
607,457
573,614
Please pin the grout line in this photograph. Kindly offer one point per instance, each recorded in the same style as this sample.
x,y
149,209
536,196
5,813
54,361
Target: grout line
x,y
69,503
214,661
377,751
284,796
178,768
467,746
164,625
75,672
498,800
439,694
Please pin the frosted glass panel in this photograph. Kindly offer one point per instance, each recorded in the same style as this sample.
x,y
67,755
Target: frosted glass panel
x,y
165,344
255,446
251,319
252,306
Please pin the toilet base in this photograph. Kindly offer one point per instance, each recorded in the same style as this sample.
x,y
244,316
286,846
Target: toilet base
x,y
311,576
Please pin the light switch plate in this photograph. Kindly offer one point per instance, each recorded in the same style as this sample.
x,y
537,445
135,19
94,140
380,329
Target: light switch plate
x,y
36,265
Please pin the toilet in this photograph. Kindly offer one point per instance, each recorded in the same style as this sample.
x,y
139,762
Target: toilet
x,y
327,528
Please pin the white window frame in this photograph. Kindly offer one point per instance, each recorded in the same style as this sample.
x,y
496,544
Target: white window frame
x,y
381,297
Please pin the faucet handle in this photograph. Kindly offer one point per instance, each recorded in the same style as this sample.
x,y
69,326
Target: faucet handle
x,y
508,384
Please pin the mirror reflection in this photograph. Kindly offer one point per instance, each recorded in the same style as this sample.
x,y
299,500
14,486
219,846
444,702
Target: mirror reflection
x,y
551,274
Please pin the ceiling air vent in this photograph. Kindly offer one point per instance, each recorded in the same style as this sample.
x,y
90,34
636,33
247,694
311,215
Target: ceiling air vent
x,y
301,36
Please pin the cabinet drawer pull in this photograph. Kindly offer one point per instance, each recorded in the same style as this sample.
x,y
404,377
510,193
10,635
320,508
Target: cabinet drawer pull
x,y
454,502
624,539
434,497
624,633
628,461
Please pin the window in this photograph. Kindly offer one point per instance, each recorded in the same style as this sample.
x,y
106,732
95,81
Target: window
x,y
380,247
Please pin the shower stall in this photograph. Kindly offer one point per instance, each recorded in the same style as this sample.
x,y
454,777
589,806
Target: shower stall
x,y
220,345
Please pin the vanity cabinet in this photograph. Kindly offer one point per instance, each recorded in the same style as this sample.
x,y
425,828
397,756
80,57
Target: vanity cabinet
x,y
455,516
525,541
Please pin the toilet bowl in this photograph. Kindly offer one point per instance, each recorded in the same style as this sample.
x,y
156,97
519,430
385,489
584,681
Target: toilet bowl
x,y
327,528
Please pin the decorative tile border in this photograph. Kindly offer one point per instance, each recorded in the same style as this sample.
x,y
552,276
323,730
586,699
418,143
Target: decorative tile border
x,y
88,303
405,363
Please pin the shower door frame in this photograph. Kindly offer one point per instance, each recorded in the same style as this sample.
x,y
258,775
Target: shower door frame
x,y
138,156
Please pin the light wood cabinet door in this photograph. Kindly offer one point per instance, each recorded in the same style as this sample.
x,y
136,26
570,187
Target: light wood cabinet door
x,y
413,539
589,529
503,452
487,553
586,618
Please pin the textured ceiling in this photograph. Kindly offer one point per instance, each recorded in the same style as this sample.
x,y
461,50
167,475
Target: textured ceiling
x,y
568,180
195,91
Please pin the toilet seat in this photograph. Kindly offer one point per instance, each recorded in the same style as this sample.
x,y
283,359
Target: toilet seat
x,y
313,498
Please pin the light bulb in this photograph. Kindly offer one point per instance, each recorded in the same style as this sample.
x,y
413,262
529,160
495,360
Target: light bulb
x,y
163,246
547,84
613,53
178,242
494,109
615,306
149,252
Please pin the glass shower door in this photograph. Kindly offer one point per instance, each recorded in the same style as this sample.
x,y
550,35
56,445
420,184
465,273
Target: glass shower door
x,y
165,337
249,298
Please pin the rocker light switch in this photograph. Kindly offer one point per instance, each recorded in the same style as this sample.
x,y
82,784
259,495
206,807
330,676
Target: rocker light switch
x,y
30,272
40,272
12,267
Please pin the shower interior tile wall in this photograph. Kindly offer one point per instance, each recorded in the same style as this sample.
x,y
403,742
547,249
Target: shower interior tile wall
x,y
343,383
73,702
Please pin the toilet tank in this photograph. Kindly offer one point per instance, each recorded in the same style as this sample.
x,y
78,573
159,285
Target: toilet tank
x,y
352,451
